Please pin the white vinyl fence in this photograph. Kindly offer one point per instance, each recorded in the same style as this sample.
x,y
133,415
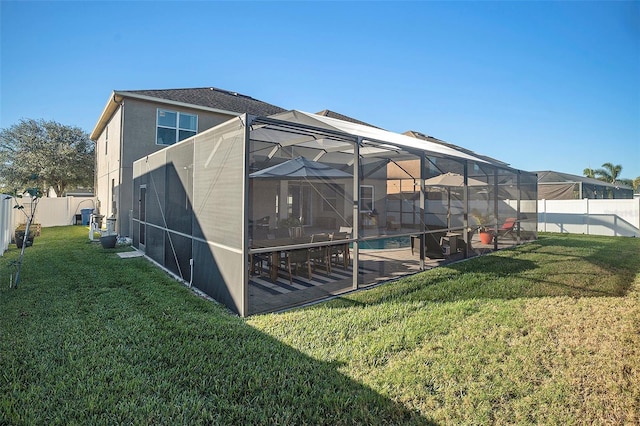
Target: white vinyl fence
x,y
60,211
6,222
594,217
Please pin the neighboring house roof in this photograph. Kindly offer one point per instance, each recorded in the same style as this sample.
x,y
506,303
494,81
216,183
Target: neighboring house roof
x,y
428,138
550,176
561,186
333,114
205,98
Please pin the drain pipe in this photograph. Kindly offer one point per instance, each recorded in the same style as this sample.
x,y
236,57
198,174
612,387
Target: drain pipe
x,y
191,274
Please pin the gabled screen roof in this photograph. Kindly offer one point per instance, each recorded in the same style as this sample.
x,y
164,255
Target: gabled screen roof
x,y
367,133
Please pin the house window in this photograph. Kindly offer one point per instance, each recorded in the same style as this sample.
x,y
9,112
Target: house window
x,y
366,198
175,126
106,139
330,197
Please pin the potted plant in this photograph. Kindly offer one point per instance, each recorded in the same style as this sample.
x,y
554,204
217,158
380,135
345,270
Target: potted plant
x,y
108,241
19,235
484,222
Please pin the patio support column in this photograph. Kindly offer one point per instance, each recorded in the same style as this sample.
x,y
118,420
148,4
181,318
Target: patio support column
x,y
244,308
579,190
496,194
423,226
465,211
518,216
356,210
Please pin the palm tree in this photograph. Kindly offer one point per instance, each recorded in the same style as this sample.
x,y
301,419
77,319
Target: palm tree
x,y
589,172
609,172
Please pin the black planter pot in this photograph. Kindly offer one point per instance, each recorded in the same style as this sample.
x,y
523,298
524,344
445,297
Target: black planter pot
x,y
108,241
19,238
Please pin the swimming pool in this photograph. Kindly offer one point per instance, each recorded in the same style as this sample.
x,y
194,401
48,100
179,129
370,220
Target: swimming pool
x,y
386,243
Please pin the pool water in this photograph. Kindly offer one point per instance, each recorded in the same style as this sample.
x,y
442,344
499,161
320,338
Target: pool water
x,y
386,243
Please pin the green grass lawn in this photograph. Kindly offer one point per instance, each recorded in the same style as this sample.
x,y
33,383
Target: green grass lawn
x,y
547,333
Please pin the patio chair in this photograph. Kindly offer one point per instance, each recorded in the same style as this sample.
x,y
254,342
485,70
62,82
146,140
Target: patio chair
x,y
298,257
256,262
335,251
432,247
392,224
508,228
321,254
281,232
259,228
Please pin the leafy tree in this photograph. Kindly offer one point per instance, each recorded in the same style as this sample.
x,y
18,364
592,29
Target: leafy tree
x,y
62,156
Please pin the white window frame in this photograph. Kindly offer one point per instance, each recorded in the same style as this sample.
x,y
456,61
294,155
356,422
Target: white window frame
x,y
362,199
177,128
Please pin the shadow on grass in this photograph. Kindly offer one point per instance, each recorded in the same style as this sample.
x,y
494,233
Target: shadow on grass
x,y
553,266
92,338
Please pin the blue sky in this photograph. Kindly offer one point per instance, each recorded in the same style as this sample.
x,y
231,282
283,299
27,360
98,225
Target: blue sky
x,y
540,85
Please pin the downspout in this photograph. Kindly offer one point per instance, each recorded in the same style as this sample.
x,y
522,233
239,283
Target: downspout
x,y
118,203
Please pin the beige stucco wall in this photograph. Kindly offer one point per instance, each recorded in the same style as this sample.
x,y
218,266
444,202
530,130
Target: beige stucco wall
x,y
132,135
108,163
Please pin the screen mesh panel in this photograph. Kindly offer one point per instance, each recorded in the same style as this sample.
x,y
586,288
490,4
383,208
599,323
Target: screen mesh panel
x,y
155,244
179,187
218,190
177,254
195,209
155,168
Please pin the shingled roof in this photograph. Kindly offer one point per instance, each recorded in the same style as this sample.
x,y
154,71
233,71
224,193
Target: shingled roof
x,y
212,97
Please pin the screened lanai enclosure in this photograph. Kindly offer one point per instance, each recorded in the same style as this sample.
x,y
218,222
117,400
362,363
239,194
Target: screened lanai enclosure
x,y
266,213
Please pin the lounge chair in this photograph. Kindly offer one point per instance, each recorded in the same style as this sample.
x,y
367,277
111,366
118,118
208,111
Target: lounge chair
x,y
508,228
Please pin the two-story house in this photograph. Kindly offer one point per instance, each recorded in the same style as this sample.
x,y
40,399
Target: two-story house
x,y
136,123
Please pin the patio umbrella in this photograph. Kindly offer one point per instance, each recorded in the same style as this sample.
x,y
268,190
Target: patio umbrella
x,y
452,179
299,168
449,180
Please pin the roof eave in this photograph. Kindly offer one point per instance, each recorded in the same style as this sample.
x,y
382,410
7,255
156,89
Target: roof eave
x,y
117,97
177,103
107,112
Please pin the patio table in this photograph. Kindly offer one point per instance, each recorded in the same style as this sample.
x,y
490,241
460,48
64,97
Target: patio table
x,y
277,246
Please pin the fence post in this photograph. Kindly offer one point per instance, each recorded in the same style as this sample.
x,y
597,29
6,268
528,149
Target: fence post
x,y
588,219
